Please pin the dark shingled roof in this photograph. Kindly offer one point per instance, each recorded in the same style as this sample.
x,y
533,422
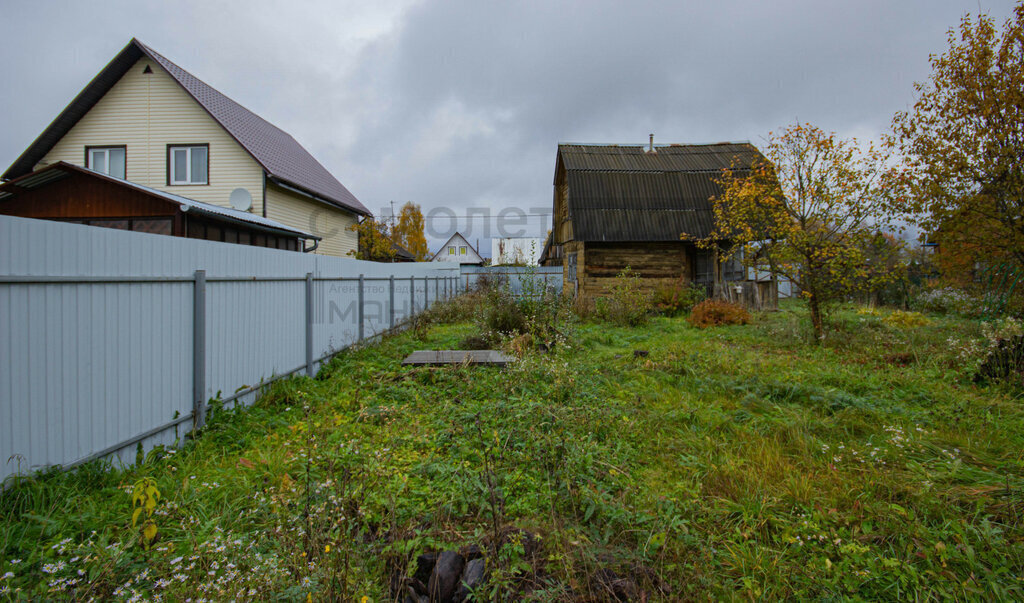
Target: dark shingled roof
x,y
401,253
276,151
624,193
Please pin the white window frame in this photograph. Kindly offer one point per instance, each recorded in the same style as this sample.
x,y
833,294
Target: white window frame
x,y
172,176
105,151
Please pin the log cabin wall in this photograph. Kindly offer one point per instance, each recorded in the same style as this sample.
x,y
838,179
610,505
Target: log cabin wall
x,y
657,264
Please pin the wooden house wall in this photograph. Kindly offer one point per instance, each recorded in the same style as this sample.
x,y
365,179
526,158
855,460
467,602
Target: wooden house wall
x,y
98,202
657,264
80,197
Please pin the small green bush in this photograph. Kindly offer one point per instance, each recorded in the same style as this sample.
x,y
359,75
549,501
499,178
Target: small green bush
x,y
905,320
628,305
678,298
716,313
504,318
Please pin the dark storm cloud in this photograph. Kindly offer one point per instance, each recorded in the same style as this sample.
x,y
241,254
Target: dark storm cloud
x,y
461,104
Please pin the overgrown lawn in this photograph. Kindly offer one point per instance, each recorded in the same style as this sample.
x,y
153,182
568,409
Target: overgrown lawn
x,y
733,462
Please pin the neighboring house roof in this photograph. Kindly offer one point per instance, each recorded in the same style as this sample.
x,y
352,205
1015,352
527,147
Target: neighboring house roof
x,y
545,250
458,237
626,193
60,170
283,159
401,253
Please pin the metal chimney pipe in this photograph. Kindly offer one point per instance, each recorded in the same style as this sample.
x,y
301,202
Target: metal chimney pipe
x,y
652,143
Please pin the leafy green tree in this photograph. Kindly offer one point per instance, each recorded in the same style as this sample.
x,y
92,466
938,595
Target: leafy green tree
x,y
806,211
963,140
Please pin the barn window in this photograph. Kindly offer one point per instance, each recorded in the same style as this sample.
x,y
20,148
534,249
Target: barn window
x,y
704,266
570,259
106,160
732,269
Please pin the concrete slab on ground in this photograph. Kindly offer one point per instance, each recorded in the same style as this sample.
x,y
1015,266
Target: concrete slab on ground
x,y
476,357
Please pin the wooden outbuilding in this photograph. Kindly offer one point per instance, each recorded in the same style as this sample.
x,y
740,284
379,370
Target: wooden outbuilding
x,y
70,193
630,206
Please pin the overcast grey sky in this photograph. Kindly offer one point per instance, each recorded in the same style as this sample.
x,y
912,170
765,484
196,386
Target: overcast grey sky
x,y
461,104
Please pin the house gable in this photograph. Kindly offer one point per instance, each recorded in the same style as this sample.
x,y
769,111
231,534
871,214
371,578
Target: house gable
x,y
457,243
144,104
147,112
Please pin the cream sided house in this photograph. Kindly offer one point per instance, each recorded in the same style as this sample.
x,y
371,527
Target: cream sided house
x,y
146,120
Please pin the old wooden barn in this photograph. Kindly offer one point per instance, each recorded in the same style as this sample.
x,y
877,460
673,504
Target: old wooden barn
x,y
617,206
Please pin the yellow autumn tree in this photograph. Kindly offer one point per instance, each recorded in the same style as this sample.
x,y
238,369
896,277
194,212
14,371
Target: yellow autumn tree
x,y
806,211
374,241
408,232
963,140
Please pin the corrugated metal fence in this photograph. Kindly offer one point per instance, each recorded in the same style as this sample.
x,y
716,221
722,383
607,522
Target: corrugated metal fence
x,y
521,280
111,338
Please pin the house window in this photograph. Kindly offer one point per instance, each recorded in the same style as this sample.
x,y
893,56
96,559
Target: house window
x,y
106,160
188,164
462,251
570,262
451,251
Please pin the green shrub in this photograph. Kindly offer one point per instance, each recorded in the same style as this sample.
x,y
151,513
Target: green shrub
x,y
678,298
905,320
504,318
628,305
716,313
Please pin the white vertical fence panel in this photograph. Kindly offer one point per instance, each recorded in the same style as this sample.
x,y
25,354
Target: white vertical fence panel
x,y
93,368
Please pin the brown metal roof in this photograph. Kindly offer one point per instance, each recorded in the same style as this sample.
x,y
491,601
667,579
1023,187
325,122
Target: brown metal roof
x,y
623,193
276,151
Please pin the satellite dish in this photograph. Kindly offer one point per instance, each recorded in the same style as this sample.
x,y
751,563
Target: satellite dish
x,y
241,199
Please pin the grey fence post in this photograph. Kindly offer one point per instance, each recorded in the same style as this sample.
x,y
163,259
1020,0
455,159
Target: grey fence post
x,y
199,350
391,301
361,326
309,324
426,293
412,296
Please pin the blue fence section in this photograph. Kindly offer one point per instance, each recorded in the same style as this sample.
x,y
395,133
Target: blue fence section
x,y
111,339
521,280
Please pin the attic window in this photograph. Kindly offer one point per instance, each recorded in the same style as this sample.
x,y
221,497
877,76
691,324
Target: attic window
x,y
148,69
188,164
